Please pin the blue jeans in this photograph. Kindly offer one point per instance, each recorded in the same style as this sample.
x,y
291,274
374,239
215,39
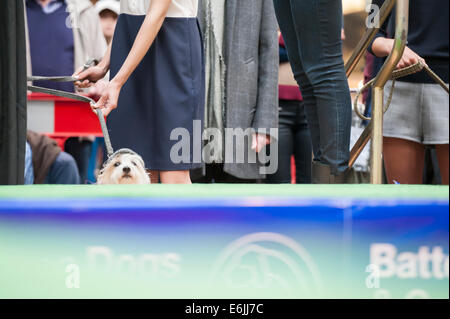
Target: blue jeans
x,y
312,32
293,139
64,170
81,152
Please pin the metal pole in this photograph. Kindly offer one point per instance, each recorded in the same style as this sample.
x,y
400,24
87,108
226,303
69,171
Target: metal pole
x,y
360,145
362,46
351,64
401,35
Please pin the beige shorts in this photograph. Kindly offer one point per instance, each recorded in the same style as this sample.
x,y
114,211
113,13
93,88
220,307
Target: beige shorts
x,y
418,113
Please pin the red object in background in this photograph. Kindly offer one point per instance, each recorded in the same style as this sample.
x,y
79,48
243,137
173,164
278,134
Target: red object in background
x,y
61,118
293,171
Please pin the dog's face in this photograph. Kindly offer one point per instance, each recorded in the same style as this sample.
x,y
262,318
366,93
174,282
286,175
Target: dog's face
x,y
124,169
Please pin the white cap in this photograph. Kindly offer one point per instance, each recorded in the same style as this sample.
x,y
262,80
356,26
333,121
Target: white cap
x,y
113,5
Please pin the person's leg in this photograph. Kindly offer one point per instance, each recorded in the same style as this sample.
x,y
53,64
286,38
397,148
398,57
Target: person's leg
x,y
442,153
154,176
428,169
64,170
431,171
285,145
403,144
219,176
286,18
302,148
318,27
436,124
203,175
403,160
175,177
436,171
81,152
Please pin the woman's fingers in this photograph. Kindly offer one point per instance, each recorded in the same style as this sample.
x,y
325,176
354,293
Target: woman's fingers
x,y
259,141
268,139
106,104
84,74
409,58
101,104
84,77
83,84
423,61
414,59
109,99
254,142
106,111
109,108
77,72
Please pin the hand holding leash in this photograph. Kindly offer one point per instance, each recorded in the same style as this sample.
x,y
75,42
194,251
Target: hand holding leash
x,y
77,97
410,58
109,99
89,74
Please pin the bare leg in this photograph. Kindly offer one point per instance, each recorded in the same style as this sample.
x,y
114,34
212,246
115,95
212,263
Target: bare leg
x,y
442,154
175,177
404,161
154,176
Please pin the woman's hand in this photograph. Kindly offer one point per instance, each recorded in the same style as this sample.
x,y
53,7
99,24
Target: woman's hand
x,y
259,141
382,47
108,100
87,78
409,58
96,91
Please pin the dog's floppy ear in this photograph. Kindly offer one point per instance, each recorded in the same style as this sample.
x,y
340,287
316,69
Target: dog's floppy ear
x,y
141,161
100,176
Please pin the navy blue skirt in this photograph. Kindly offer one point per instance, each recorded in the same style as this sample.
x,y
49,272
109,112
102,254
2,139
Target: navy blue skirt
x,y
164,95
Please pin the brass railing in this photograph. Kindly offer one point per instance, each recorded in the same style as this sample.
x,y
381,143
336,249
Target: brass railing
x,y
362,46
375,128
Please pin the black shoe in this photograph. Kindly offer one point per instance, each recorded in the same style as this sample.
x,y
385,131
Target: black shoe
x,y
321,174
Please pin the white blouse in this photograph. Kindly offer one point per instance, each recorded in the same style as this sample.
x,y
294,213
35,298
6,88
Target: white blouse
x,y
178,8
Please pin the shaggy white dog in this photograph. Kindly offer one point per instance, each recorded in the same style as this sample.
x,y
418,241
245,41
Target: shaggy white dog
x,y
124,167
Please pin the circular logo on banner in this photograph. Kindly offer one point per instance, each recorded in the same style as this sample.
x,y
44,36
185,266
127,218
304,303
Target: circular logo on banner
x,y
267,262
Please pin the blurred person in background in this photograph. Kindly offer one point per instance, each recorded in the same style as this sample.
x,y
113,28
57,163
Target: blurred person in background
x,y
419,113
63,35
293,136
29,174
312,31
108,11
46,163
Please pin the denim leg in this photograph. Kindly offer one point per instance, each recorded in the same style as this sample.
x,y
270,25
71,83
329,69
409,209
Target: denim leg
x,y
81,152
285,144
302,148
288,29
317,25
64,170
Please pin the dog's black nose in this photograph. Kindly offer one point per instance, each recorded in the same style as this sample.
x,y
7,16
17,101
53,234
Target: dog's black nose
x,y
126,169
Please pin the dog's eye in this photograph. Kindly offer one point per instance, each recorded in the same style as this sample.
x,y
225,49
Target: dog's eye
x,y
134,163
117,164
